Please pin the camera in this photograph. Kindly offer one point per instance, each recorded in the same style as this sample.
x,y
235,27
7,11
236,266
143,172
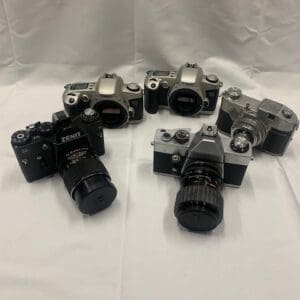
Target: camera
x,y
118,103
203,161
186,92
267,124
71,147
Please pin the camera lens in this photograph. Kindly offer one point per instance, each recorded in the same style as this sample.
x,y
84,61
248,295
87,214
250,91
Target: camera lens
x,y
185,102
88,183
199,203
114,115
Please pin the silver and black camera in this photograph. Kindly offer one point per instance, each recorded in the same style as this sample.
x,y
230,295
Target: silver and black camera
x,y
204,161
118,103
267,124
186,92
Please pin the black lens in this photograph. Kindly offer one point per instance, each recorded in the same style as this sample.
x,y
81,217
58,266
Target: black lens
x,y
94,194
89,184
113,114
199,203
185,102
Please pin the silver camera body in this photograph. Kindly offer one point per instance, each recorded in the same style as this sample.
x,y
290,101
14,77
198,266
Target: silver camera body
x,y
267,124
117,102
174,148
186,92
203,161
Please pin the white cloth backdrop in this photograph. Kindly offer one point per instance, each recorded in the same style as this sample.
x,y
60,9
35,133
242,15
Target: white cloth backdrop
x,y
134,249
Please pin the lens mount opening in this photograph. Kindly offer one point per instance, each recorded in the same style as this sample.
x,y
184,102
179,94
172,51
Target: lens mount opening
x,y
185,102
113,114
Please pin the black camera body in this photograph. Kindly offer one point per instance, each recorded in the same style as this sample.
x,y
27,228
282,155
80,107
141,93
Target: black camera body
x,y
204,161
38,147
267,124
118,103
186,92
69,146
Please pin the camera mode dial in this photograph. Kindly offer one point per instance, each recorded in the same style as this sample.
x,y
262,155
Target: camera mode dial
x,y
133,87
212,78
85,99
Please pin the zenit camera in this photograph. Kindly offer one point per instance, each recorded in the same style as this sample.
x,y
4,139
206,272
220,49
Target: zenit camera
x,y
203,161
71,147
118,103
186,92
267,124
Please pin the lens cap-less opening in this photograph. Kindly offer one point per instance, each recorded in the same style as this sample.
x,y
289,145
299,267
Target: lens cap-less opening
x,y
199,208
185,102
89,184
113,114
94,194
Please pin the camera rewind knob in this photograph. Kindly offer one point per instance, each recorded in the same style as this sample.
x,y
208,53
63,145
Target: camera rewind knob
x,y
20,138
89,115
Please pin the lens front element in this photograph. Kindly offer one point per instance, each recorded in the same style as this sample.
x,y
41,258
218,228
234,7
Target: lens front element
x,y
198,207
89,184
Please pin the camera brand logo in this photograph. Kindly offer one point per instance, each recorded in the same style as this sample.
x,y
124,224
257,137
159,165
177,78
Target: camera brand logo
x,y
70,137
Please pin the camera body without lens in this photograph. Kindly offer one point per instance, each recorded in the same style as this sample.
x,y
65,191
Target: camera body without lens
x,y
69,146
118,103
186,92
267,124
204,161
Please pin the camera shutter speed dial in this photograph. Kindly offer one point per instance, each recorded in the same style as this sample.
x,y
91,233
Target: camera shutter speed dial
x,y
182,136
234,93
287,113
46,128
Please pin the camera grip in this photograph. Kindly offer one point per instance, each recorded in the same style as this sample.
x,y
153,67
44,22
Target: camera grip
x,y
151,100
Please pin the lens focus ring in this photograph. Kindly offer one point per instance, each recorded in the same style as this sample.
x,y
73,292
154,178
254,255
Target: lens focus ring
x,y
199,207
89,184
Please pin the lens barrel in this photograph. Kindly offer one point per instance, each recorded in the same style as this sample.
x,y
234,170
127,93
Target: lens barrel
x,y
88,183
199,203
199,208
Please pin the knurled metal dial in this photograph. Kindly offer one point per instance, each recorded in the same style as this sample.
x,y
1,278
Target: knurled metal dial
x,y
89,115
46,128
